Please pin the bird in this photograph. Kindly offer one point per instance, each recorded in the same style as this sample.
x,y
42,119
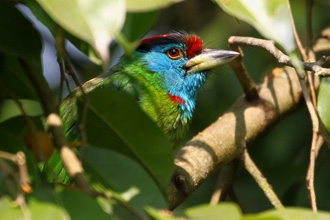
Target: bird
x,y
163,74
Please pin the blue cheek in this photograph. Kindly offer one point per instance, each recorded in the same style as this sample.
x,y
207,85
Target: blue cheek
x,y
159,62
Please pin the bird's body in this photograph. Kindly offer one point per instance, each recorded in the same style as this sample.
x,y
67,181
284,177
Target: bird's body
x,y
164,75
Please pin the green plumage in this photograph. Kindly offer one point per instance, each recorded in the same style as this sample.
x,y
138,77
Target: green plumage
x,y
132,77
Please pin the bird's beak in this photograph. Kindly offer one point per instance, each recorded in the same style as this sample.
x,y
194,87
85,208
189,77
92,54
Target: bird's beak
x,y
209,59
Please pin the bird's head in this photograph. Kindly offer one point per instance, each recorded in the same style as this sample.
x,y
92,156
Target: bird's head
x,y
180,62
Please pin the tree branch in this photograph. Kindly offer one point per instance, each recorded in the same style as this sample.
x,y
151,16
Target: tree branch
x,y
221,142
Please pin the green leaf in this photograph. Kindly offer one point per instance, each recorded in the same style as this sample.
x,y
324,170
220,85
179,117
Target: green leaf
x,y
225,210
137,25
148,5
81,206
35,210
94,21
9,108
270,18
323,102
44,210
15,80
289,214
122,175
18,37
119,124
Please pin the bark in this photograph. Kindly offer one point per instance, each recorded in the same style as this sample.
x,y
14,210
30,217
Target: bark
x,y
223,141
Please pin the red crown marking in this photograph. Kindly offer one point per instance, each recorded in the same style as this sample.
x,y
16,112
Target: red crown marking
x,y
194,45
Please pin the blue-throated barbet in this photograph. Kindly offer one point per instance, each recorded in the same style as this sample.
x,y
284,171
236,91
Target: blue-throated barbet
x,y
163,74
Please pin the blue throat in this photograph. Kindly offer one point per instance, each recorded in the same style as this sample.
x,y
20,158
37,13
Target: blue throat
x,y
186,87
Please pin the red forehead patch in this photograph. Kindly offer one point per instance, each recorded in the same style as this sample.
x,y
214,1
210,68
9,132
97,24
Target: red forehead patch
x,y
194,45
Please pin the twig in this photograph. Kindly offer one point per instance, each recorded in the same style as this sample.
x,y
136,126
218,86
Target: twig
x,y
309,33
66,65
260,179
224,182
20,200
295,33
317,142
319,71
53,120
316,129
10,176
310,174
63,79
282,58
312,80
20,161
248,85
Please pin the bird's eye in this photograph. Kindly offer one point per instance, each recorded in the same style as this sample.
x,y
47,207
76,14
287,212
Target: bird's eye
x,y
174,53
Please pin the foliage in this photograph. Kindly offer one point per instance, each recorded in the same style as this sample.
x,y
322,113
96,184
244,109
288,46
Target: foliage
x,y
130,160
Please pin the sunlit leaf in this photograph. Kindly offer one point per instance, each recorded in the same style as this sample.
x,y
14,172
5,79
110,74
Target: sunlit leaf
x,y
270,18
123,175
94,21
9,108
290,214
323,102
222,210
159,215
34,210
148,5
80,205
